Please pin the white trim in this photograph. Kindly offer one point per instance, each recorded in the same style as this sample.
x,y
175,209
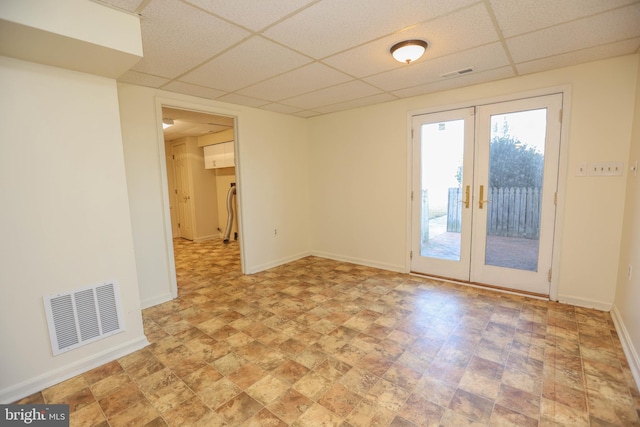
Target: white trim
x,y
206,238
277,263
585,302
33,385
359,261
473,285
408,237
161,101
627,344
563,176
157,299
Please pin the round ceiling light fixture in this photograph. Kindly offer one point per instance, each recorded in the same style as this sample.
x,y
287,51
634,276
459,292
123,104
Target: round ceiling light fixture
x,y
167,123
408,50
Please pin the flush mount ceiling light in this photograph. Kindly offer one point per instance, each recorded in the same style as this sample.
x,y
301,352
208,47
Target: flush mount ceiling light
x,y
408,50
166,123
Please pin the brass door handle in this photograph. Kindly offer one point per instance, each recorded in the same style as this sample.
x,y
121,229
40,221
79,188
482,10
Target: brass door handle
x,y
467,199
481,202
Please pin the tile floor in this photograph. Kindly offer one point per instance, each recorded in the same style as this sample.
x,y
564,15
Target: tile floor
x,y
324,343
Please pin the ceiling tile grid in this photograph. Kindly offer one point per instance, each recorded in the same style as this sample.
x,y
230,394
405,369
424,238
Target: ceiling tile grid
x,y
332,95
252,14
546,13
472,27
579,56
311,57
297,82
176,37
612,26
260,59
331,26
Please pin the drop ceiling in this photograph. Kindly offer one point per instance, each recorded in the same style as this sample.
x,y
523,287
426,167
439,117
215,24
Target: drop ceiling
x,y
312,57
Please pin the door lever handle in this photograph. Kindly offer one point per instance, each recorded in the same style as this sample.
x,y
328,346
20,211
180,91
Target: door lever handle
x,y
481,202
467,199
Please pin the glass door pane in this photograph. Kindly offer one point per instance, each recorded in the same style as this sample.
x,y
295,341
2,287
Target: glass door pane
x,y
442,179
516,165
441,193
516,176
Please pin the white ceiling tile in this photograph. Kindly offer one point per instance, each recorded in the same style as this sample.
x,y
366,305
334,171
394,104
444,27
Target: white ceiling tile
x,y
332,95
189,89
456,82
580,56
279,108
356,103
612,26
472,27
251,14
521,16
171,45
481,59
235,98
252,61
297,82
142,79
331,26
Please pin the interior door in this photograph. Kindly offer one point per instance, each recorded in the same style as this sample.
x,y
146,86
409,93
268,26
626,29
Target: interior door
x,y
484,187
183,196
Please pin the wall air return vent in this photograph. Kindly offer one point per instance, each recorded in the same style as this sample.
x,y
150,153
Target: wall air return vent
x,y
83,316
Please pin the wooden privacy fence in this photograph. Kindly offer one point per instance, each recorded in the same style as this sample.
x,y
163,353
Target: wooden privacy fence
x,y
511,212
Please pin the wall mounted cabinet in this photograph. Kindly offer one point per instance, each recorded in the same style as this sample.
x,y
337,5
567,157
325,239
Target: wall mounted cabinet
x,y
219,156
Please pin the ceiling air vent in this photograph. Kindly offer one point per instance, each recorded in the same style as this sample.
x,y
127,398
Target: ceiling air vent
x,y
83,316
460,72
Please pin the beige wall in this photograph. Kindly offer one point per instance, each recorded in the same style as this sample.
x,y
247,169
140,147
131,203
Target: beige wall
x,y
64,220
626,311
359,185
272,180
143,158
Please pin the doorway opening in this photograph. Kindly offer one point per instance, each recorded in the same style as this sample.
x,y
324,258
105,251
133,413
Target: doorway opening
x,y
201,168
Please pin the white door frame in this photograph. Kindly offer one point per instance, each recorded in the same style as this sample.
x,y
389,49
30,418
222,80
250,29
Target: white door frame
x,y
563,166
164,180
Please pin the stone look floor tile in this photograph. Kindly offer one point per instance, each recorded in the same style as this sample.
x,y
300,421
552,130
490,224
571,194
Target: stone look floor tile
x,y
318,342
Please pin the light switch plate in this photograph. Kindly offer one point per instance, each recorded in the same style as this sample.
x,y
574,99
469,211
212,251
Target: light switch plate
x,y
606,169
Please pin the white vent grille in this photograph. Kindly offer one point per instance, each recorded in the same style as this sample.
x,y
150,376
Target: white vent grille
x,y
460,72
83,316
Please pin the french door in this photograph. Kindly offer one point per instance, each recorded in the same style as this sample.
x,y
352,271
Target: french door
x,y
484,183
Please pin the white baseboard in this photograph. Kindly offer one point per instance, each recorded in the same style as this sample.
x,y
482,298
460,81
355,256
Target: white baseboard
x,y
584,302
205,238
276,263
159,299
33,385
627,344
360,261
